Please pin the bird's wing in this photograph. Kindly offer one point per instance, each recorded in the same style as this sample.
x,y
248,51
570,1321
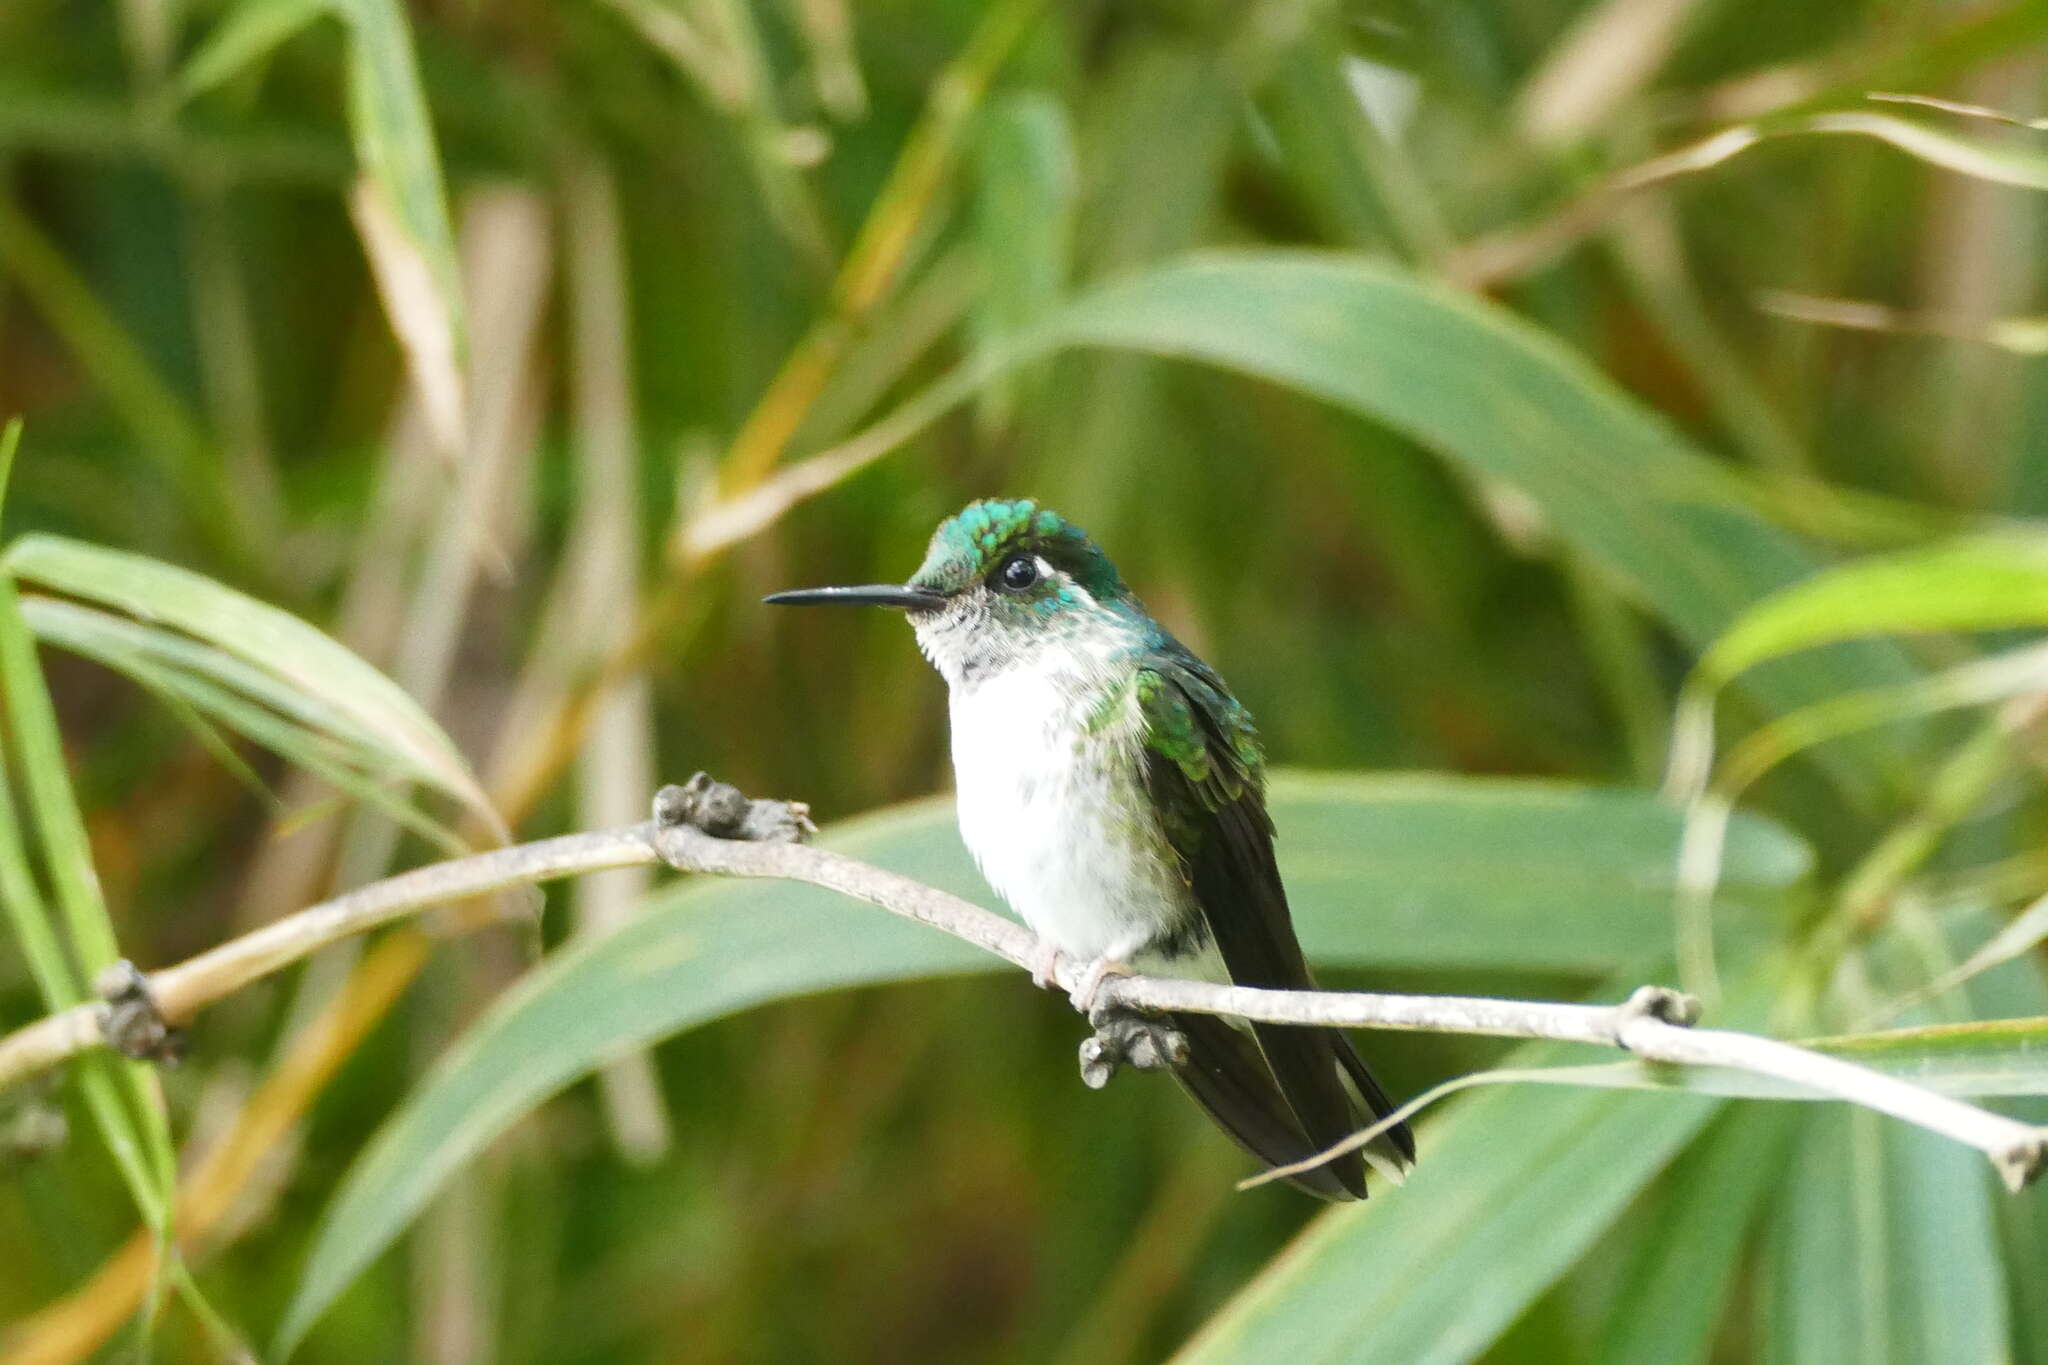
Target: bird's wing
x,y
1207,779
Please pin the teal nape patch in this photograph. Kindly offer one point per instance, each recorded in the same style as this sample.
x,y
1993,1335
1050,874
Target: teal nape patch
x,y
972,542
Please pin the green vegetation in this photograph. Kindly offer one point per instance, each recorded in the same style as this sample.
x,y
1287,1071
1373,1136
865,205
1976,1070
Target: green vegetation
x,y
1611,416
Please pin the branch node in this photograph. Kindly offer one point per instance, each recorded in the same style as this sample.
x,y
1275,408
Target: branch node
x,y
2020,1164
1660,1003
32,1127
723,811
130,1019
1125,1038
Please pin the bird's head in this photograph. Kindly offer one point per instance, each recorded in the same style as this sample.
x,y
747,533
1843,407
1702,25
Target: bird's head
x,y
1001,580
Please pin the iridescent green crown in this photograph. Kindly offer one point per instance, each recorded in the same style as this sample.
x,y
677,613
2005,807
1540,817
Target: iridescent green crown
x,y
967,546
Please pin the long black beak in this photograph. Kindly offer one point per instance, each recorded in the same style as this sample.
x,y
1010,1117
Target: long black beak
x,y
900,596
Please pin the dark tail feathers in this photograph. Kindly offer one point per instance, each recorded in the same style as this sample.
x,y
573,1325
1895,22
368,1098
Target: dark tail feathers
x,y
1283,1099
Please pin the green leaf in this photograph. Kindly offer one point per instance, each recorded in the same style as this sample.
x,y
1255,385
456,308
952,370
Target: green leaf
x,y
1385,870
1989,1057
10,443
1484,1226
373,710
1478,385
185,673
249,33
2012,164
1985,1058
1977,682
1974,583
1699,1216
121,1095
704,953
1436,871
1024,223
1884,1249
2012,990
1359,184
1495,395
40,752
122,642
401,206
1978,583
1511,1187
55,975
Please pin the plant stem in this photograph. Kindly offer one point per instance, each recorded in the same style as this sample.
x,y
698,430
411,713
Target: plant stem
x,y
1652,1024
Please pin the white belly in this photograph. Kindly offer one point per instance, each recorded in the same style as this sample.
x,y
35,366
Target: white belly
x,y
1048,811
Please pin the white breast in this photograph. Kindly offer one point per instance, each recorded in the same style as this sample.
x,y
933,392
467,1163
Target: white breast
x,y
1047,808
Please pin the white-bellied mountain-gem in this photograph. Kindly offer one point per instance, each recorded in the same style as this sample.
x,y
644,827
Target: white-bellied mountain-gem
x,y
1113,792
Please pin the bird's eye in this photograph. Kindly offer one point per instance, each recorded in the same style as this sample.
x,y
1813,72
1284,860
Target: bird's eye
x,y
1018,573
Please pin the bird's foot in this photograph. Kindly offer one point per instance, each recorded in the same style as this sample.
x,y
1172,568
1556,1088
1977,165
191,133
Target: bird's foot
x,y
1083,996
1127,1038
1045,966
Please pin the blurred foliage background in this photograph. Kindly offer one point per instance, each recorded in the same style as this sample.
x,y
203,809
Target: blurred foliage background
x,y
520,347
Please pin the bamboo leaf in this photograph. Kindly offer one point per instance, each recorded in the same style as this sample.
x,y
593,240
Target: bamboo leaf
x,y
1978,682
121,1095
1439,871
40,750
1383,870
120,641
1490,393
251,31
1976,583
184,673
376,710
1884,1249
1999,163
1973,583
401,208
1678,1285
421,310
10,445
1434,1271
1983,1058
659,974
1024,223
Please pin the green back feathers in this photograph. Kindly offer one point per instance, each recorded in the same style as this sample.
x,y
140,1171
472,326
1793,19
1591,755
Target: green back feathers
x,y
1191,721
968,546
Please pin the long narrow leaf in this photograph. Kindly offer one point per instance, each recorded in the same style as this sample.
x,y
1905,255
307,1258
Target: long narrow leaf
x,y
1979,583
301,656
335,764
250,32
1985,1058
1679,1282
1355,851
655,976
1487,391
401,207
121,1095
1024,222
120,640
1884,1250
1511,1187
33,721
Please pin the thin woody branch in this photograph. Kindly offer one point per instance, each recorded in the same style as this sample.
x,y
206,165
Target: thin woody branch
x,y
693,831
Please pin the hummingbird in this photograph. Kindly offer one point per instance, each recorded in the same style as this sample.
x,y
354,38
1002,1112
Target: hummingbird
x,y
1112,791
